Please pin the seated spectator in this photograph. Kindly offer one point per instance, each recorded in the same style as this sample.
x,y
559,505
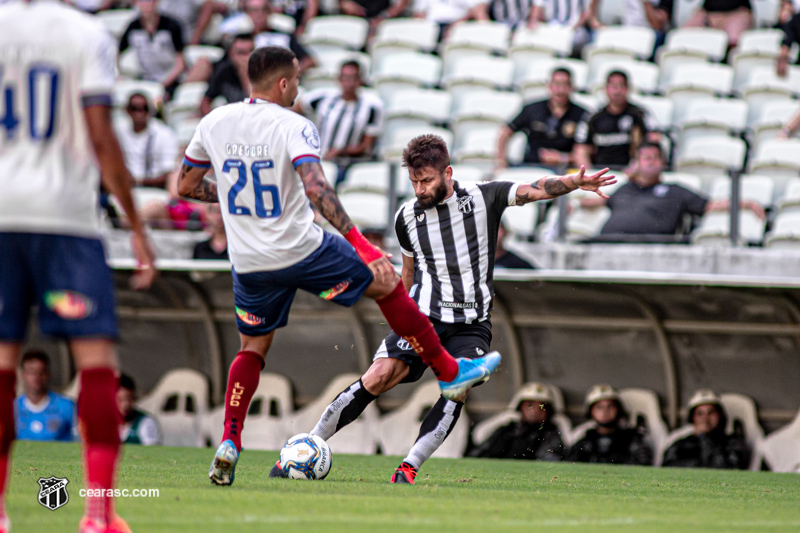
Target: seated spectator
x,y
349,120
255,20
158,41
89,6
229,79
177,213
193,16
731,16
149,145
533,436
791,31
580,15
549,125
137,426
217,246
446,13
611,136
609,441
374,11
655,14
42,414
708,446
505,259
302,11
513,13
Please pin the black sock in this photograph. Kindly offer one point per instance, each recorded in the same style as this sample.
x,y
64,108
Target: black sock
x,y
345,408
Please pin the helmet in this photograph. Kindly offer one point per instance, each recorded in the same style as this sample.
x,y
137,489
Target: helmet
x,y
535,392
597,393
703,397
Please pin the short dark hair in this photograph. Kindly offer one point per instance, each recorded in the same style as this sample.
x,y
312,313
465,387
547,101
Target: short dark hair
x,y
617,73
126,382
562,70
648,144
351,63
35,355
141,95
426,151
268,61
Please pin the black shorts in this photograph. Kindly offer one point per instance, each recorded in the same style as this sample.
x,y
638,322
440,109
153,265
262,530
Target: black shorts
x,y
460,340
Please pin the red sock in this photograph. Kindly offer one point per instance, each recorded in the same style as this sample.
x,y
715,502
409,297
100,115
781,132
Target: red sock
x,y
8,384
242,383
99,422
405,319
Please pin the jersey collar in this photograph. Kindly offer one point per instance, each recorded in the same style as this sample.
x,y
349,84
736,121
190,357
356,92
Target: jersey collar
x,y
257,101
36,408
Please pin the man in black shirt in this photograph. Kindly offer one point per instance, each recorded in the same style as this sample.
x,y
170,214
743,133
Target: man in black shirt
x,y
549,125
217,246
612,135
791,32
229,79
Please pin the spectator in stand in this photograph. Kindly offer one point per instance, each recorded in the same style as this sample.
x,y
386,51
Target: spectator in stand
x,y
158,41
216,247
302,11
505,259
374,11
655,14
149,145
137,426
579,15
791,32
90,6
549,125
533,436
791,126
731,16
708,446
349,120
610,137
229,79
446,13
255,20
193,16
609,441
513,13
42,414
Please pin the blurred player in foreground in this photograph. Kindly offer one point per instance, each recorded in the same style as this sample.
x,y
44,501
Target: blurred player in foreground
x,y
267,161
57,76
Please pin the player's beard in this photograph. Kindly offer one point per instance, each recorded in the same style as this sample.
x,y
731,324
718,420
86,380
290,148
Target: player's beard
x,y
426,202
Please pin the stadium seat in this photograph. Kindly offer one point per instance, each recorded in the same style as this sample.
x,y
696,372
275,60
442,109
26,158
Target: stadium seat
x,y
702,78
611,12
535,75
185,102
777,158
785,234
707,42
398,429
179,402
429,105
329,65
414,34
485,107
128,64
195,52
741,409
123,90
714,229
393,146
468,174
590,103
764,87
711,156
683,10
543,42
673,436
143,196
488,37
661,109
282,23
772,118
479,73
642,75
758,189
117,21
331,171
789,200
620,42
358,437
584,223
765,13
366,177
477,146
708,117
338,31
781,449
644,403
404,71
368,210
685,180
756,48
520,221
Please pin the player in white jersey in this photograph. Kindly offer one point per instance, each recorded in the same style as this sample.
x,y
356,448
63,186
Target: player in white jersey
x,y
56,80
266,160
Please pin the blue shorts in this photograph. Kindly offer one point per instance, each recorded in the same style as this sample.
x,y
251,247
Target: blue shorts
x,y
66,277
333,272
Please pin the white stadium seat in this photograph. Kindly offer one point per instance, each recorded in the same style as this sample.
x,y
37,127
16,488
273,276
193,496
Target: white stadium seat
x,y
430,105
485,107
687,181
544,40
368,210
404,71
468,174
366,177
479,73
488,37
194,53
706,117
742,409
642,75
777,157
337,31
714,229
772,118
414,33
123,90
781,449
179,402
536,74
117,21
789,200
393,146
708,42
785,232
758,189
673,436
621,41
709,156
661,109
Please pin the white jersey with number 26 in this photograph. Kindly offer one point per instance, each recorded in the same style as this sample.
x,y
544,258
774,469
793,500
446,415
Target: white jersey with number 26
x,y
255,147
54,61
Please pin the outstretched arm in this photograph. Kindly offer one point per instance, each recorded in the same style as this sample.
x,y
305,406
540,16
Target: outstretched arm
x,y
193,184
554,186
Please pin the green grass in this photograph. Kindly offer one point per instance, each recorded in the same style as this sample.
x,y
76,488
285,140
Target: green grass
x,y
450,495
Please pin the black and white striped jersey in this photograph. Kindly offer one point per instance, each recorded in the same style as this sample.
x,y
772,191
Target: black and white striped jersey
x,y
342,123
514,13
453,246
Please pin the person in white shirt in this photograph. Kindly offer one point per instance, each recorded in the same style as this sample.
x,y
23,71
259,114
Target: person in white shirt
x,y
149,145
266,159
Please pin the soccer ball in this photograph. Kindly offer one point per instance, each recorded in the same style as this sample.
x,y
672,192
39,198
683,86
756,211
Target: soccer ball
x,y
306,456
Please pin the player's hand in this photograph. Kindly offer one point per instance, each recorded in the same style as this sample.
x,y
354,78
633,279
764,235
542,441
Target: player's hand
x,y
145,258
593,182
382,270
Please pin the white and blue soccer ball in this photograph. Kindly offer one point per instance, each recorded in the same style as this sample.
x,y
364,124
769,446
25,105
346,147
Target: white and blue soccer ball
x,y
306,456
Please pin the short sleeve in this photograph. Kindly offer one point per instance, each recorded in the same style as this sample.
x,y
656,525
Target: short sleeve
x,y
401,231
693,203
499,195
374,126
303,142
97,76
196,154
791,31
520,121
177,35
125,42
582,133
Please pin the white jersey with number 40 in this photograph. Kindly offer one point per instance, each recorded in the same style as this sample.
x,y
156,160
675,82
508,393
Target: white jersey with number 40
x,y
254,147
54,61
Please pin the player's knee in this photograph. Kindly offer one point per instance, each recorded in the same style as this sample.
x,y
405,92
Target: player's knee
x,y
383,375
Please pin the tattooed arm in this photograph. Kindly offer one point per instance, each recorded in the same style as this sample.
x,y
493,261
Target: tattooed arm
x,y
554,186
324,198
193,184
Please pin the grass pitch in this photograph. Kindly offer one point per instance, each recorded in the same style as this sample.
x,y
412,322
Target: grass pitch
x,y
450,495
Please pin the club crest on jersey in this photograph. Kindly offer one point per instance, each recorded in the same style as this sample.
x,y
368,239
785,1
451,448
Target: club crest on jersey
x,y
248,318
404,344
330,294
420,217
311,136
466,204
53,492
68,305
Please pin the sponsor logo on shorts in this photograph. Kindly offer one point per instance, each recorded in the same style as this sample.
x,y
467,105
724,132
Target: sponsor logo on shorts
x,y
459,305
404,345
68,305
249,318
330,294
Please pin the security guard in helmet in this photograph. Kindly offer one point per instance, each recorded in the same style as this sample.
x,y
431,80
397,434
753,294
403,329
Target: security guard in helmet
x,y
708,446
532,436
609,441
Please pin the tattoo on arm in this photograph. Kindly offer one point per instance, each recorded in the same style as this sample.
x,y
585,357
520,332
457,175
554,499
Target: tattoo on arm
x,y
556,187
324,198
206,190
